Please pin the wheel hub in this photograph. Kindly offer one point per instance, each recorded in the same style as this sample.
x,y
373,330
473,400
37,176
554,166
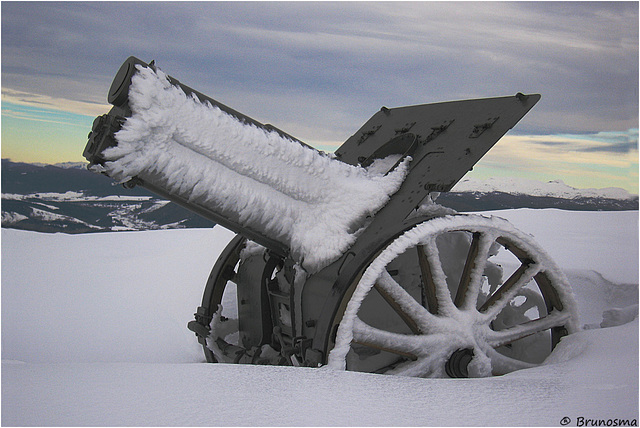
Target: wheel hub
x,y
457,366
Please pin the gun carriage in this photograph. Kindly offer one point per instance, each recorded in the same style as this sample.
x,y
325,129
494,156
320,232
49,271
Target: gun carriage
x,y
342,259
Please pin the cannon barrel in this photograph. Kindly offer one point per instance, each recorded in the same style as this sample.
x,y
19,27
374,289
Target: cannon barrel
x,y
246,176
270,187
106,126
118,96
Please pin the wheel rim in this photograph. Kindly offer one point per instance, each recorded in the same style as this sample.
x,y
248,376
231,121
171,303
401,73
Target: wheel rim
x,y
436,303
222,278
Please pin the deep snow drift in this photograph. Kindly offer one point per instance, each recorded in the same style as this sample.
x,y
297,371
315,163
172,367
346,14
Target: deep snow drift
x,y
94,333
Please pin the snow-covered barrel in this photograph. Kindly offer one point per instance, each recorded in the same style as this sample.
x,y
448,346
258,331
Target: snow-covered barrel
x,y
275,190
249,177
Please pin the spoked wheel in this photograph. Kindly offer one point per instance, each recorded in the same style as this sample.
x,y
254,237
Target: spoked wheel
x,y
458,296
222,277
236,278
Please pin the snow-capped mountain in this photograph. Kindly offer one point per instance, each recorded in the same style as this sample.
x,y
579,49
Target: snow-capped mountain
x,y
68,198
507,193
553,189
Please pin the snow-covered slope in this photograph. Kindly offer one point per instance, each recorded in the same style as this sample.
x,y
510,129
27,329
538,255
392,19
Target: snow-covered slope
x,y
94,333
70,199
65,165
77,212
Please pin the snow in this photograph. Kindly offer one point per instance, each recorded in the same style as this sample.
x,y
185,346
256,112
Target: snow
x,y
51,217
10,218
65,165
104,290
619,316
285,191
522,186
94,333
571,245
72,196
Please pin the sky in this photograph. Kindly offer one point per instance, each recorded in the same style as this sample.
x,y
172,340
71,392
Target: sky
x,y
319,70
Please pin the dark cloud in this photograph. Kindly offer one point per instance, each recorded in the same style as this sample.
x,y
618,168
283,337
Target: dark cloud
x,y
319,70
612,142
624,147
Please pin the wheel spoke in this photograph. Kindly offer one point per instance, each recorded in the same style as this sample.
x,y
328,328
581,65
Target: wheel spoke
x,y
434,280
501,364
506,336
428,286
411,312
471,278
400,344
501,297
465,278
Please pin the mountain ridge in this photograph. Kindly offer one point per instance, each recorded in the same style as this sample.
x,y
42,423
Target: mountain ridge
x,y
554,188
68,198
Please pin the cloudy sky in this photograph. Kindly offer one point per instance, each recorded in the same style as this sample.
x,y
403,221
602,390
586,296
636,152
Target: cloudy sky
x,y
319,70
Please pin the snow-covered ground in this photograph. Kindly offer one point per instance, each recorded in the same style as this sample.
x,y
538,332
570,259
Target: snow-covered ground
x,y
94,333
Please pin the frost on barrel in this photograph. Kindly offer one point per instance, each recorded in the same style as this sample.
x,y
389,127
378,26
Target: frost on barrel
x,y
343,259
264,181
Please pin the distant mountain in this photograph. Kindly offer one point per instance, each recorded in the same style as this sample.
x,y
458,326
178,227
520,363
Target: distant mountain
x,y
510,193
554,189
68,198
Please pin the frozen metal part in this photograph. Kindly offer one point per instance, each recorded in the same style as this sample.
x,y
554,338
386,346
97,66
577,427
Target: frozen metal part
x,y
263,305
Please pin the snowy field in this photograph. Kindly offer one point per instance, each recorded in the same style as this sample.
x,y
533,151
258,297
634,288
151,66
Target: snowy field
x,y
94,333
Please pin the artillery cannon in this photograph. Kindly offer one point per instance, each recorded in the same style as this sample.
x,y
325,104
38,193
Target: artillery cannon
x,y
342,259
